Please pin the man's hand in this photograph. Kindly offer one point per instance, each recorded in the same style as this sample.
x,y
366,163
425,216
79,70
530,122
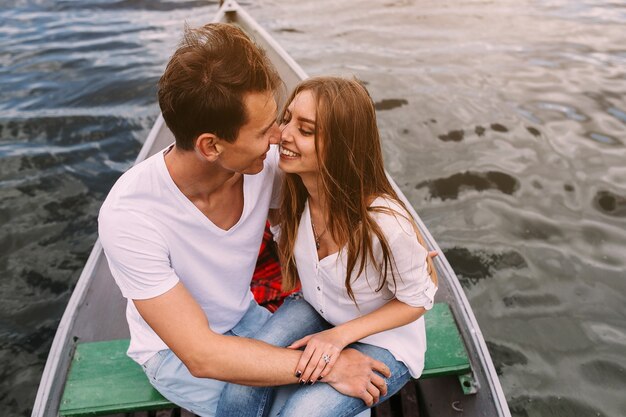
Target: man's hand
x,y
353,375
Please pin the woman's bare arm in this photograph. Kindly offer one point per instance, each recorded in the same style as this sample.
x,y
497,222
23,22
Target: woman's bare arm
x,y
331,342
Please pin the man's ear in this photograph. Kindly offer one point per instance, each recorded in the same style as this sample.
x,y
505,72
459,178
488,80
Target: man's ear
x,y
208,146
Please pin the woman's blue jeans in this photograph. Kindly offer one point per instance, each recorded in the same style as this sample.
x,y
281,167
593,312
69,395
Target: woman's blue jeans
x,y
294,320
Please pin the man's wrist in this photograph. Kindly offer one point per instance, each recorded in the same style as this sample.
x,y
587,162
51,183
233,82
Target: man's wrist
x,y
343,360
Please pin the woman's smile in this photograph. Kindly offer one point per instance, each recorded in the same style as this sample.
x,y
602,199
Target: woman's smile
x,y
287,153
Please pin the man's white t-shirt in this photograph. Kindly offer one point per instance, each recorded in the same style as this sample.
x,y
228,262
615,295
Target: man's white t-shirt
x,y
154,236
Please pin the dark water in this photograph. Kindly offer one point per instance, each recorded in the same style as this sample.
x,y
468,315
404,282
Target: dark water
x,y
504,123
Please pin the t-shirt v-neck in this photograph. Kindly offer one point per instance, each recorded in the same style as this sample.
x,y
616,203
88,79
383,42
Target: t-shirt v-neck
x,y
192,208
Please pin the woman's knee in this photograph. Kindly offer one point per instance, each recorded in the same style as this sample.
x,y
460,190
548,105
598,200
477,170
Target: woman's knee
x,y
321,400
241,400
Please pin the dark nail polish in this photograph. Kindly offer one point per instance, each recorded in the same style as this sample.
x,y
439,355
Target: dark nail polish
x,y
298,374
319,378
309,382
302,382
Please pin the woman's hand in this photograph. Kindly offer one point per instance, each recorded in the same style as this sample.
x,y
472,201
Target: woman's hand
x,y
319,356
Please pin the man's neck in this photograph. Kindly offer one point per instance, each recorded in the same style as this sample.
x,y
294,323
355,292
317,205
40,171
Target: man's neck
x,y
196,178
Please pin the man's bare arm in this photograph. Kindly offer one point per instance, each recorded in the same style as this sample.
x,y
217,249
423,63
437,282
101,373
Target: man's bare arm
x,y
182,325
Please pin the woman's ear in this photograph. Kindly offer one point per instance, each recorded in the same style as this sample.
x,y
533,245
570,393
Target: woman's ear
x,y
208,146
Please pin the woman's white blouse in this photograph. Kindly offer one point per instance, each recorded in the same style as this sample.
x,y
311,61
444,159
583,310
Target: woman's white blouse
x,y
323,283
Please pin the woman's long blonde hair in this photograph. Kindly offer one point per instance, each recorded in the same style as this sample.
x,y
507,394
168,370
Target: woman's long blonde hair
x,y
351,175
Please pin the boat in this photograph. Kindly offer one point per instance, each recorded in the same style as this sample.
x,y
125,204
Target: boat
x,y
96,310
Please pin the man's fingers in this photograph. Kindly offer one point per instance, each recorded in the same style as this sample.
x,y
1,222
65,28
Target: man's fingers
x,y
379,383
367,398
381,368
374,392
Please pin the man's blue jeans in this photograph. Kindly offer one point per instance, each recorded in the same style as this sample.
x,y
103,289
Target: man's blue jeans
x,y
294,320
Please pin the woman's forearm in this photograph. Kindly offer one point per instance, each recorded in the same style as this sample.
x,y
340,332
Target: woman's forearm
x,y
393,314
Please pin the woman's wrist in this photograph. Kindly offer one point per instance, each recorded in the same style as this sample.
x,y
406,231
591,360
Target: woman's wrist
x,y
343,335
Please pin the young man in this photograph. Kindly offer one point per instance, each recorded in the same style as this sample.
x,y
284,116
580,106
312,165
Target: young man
x,y
181,231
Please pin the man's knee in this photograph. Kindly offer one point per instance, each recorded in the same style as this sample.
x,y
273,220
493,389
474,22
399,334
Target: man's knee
x,y
173,380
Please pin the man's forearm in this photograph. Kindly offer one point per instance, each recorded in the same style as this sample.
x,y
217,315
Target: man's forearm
x,y
252,362
246,362
182,325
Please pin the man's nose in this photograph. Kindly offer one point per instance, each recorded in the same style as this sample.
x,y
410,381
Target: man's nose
x,y
275,134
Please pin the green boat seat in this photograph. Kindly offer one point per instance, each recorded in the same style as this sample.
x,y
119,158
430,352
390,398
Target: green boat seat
x,y
445,353
103,380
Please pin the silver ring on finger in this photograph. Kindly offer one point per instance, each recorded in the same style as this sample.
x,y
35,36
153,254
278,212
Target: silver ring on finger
x,y
326,358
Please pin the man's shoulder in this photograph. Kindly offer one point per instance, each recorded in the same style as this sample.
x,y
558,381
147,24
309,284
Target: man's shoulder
x,y
127,211
137,181
134,189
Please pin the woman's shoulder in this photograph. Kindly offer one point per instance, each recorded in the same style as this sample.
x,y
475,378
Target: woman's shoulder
x,y
391,216
398,227
386,201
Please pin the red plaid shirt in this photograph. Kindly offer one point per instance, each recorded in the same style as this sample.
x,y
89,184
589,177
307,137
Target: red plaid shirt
x,y
266,281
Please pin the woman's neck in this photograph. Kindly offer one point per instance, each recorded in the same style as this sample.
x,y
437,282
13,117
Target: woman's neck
x,y
317,201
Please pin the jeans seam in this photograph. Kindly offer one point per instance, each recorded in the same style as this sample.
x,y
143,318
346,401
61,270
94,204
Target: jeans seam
x,y
393,379
153,375
263,405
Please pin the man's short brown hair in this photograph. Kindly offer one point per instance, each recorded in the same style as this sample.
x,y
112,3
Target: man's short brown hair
x,y
204,84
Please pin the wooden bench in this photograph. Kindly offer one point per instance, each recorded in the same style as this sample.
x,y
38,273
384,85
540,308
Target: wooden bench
x,y
103,380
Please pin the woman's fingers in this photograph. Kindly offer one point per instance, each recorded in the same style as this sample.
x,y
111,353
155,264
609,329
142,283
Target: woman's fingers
x,y
315,366
324,368
305,358
300,342
320,363
433,254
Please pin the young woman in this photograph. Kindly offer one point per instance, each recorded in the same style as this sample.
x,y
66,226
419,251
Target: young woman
x,y
349,241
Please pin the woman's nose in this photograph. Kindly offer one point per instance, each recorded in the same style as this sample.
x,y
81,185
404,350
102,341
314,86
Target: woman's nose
x,y
284,132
